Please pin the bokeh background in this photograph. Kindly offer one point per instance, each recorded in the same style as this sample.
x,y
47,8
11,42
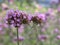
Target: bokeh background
x,y
48,34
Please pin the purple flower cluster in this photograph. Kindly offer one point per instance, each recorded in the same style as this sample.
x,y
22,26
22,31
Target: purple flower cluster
x,y
16,18
13,18
42,37
39,18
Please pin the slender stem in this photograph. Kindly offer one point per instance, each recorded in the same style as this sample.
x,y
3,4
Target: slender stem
x,y
17,37
35,29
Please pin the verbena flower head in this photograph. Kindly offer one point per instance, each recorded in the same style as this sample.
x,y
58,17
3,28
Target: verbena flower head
x,y
39,18
13,18
35,19
16,18
24,18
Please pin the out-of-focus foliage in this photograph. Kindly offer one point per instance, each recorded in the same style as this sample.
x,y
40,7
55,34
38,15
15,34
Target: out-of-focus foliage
x,y
31,34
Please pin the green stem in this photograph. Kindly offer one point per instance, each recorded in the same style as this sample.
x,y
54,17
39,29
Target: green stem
x,y
17,37
36,32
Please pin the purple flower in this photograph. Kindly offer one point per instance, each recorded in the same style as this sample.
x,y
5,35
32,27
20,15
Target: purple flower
x,y
5,25
18,24
29,17
56,31
0,28
42,16
10,13
47,14
50,11
58,9
24,18
35,19
12,22
13,18
42,37
58,37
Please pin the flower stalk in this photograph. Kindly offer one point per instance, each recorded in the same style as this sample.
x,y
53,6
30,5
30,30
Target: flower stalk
x,y
17,37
